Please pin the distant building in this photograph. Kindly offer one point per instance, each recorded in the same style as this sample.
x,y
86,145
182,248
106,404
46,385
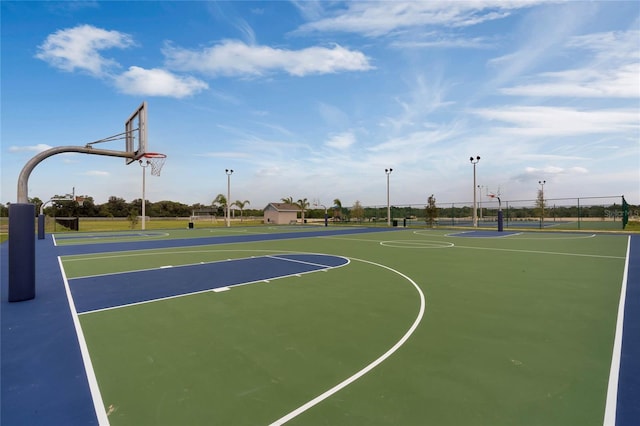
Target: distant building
x,y
281,213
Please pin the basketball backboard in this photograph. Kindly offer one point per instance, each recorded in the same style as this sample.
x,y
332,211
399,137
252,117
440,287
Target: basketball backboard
x,y
136,132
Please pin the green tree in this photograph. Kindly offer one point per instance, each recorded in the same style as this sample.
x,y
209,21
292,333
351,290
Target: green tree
x,y
133,218
241,205
357,211
287,200
540,204
220,202
337,209
303,203
431,211
115,207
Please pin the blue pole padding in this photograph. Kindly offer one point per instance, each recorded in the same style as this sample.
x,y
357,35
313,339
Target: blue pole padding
x,y
41,227
22,253
500,222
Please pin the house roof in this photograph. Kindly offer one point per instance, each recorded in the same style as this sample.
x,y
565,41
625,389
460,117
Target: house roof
x,y
283,207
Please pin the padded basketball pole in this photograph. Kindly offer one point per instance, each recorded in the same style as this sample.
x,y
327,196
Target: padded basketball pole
x,y
22,248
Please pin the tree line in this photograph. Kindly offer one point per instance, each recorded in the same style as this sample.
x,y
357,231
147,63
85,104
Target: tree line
x,y
119,207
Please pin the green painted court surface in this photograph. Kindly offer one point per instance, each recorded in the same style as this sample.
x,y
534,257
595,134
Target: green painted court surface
x,y
516,330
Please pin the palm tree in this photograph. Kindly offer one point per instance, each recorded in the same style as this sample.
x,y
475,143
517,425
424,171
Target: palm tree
x,y
337,208
303,204
240,205
220,201
287,200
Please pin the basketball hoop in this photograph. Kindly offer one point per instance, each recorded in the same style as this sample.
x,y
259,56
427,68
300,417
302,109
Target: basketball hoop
x,y
155,160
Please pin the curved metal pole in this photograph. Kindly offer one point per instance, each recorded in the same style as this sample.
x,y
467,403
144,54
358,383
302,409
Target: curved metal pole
x,y
23,179
22,254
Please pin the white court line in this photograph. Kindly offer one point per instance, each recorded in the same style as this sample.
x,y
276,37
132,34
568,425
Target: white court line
x,y
303,262
369,367
612,391
543,252
101,413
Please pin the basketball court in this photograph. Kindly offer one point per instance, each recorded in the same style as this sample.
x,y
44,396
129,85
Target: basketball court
x,y
308,325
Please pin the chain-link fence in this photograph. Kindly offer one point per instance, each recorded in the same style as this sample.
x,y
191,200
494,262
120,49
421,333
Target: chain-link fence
x,y
582,213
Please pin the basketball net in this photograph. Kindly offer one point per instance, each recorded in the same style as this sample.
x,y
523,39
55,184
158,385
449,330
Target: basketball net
x,y
155,160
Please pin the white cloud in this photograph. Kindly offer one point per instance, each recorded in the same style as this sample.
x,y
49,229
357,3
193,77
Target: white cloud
x,y
548,172
622,82
381,18
157,82
96,173
235,58
341,141
78,49
546,121
444,42
30,148
228,154
613,71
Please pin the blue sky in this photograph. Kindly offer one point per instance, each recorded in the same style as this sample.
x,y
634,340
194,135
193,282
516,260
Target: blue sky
x,y
316,99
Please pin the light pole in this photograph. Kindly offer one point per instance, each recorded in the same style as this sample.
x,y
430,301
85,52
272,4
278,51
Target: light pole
x,y
388,172
542,182
480,199
144,164
474,161
326,215
229,172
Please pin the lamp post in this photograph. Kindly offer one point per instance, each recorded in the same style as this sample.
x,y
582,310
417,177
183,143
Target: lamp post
x,y
388,172
480,200
542,182
144,164
229,172
326,215
474,161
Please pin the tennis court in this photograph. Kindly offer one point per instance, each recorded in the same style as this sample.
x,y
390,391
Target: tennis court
x,y
323,326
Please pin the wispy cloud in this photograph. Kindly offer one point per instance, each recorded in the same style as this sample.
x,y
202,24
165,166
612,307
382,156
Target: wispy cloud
x,y
374,19
236,58
30,148
444,42
98,173
549,121
612,72
341,141
227,154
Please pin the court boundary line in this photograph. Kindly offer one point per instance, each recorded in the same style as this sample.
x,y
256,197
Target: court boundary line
x,y
495,248
372,365
614,374
94,388
303,262
599,256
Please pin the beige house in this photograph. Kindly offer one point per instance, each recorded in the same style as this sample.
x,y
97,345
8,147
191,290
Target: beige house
x,y
281,213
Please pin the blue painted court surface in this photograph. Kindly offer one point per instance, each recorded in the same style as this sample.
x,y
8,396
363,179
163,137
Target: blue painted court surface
x,y
108,291
43,380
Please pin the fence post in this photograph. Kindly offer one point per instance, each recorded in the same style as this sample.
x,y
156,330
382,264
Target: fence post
x,y
578,213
